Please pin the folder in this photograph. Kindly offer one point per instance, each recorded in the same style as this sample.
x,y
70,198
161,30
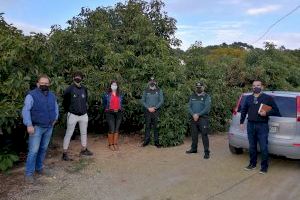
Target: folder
x,y
264,107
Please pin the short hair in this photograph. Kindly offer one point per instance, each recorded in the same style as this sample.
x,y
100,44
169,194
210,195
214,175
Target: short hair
x,y
43,76
78,73
257,80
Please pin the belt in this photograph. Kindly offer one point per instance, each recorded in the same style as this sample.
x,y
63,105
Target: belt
x,y
78,114
111,110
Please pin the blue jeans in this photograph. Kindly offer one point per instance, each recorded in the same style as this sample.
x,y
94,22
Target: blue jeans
x,y
258,132
37,147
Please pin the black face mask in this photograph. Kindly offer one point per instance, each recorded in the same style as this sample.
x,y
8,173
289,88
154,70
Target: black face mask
x,y
256,90
44,88
77,80
199,90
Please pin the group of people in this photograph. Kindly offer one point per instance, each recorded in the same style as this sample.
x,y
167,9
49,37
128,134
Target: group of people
x,y
41,112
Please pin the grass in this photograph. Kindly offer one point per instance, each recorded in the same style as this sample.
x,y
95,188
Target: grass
x,y
79,165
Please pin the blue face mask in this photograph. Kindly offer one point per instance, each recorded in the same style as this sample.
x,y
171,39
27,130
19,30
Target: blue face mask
x,y
256,90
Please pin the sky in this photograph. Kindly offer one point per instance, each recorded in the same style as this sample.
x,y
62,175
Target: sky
x,y
210,21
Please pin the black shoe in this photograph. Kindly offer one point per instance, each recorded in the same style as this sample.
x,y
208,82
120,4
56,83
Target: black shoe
x,y
145,144
250,167
158,145
65,157
263,171
206,156
191,151
86,152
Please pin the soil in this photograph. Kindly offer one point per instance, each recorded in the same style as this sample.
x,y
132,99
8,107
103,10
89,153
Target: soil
x,y
146,173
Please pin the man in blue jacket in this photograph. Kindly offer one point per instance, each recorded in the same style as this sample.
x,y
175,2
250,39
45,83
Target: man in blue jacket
x,y
152,100
257,127
199,108
40,113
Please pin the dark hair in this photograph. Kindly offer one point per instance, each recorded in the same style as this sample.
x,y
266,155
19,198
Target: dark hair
x,y
257,80
43,76
109,90
78,73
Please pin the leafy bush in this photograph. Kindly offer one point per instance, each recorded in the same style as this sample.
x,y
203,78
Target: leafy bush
x,y
7,160
130,43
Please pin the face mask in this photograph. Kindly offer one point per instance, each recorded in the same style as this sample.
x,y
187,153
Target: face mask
x,y
152,86
114,87
199,90
77,80
256,90
44,88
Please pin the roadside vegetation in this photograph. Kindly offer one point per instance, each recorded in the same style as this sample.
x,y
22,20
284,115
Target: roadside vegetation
x,y
130,43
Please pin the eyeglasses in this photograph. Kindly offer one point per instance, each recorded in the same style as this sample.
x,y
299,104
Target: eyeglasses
x,y
255,101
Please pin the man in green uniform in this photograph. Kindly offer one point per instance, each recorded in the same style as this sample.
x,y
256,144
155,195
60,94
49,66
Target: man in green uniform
x,y
199,107
152,100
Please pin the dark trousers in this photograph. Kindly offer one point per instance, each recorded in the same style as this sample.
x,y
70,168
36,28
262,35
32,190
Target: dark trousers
x,y
114,121
200,126
151,120
258,132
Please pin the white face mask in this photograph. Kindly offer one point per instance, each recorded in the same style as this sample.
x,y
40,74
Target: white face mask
x,y
114,87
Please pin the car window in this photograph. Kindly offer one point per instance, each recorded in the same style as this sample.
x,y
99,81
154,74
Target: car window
x,y
286,106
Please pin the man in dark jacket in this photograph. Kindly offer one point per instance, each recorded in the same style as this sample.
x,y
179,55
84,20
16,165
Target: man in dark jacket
x,y
40,113
199,107
152,100
75,104
257,127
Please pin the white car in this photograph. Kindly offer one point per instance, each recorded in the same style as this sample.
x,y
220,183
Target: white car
x,y
284,134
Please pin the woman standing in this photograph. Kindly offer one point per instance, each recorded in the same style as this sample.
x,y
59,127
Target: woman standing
x,y
112,102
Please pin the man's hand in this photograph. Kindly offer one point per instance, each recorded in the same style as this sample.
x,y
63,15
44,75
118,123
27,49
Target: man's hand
x,y
195,117
263,113
242,126
152,109
30,130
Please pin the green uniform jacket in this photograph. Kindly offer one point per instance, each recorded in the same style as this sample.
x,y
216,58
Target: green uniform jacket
x,y
199,104
152,98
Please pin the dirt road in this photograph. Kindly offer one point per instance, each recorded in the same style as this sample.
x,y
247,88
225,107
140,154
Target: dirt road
x,y
136,173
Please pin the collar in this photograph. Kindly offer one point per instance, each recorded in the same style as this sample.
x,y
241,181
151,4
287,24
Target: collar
x,y
260,94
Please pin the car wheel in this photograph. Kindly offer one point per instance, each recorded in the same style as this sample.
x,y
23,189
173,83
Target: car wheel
x,y
235,150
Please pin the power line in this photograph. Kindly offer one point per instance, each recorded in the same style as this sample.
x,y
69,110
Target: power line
x,y
275,23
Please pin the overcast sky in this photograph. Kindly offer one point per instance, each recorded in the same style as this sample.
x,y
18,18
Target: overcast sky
x,y
209,21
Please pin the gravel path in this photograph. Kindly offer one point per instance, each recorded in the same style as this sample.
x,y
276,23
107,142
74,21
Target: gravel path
x,y
136,173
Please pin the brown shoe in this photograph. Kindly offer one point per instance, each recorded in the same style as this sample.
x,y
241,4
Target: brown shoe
x,y
110,139
45,172
29,179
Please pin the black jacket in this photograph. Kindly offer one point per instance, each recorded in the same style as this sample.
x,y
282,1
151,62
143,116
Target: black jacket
x,y
75,100
251,107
